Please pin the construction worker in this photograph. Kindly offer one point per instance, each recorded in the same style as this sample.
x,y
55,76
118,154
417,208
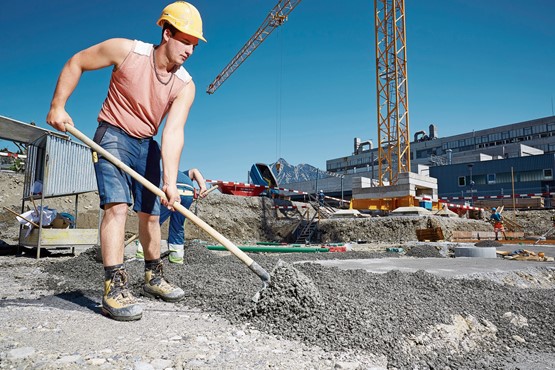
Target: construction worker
x,y
321,197
497,220
176,230
147,84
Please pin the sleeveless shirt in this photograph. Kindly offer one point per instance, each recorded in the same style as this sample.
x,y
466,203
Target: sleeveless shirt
x,y
137,101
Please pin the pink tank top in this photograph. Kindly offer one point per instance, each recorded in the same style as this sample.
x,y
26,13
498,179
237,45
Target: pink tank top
x,y
137,101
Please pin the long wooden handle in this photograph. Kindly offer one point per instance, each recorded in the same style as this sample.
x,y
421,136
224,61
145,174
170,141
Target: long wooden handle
x,y
184,211
211,189
20,216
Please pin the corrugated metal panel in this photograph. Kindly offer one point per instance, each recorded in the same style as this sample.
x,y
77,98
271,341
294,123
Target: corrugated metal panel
x,y
69,168
34,166
30,167
14,130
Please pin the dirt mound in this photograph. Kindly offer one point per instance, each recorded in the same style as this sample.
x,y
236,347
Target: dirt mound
x,y
245,220
488,243
424,251
393,229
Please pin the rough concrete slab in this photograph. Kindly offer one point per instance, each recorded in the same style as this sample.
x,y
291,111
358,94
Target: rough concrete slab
x,y
447,267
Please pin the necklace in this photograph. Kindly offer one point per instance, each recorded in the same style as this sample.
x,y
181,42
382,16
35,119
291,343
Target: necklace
x,y
156,70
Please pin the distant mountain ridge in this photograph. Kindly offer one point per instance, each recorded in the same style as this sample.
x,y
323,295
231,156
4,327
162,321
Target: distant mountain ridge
x,y
288,173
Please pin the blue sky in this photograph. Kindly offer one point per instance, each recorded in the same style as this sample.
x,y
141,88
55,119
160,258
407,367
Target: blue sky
x,y
309,89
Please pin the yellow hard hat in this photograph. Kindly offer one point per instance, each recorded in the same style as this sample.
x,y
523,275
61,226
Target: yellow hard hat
x,y
183,16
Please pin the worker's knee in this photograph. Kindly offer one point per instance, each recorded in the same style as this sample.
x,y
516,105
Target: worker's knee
x,y
115,211
148,220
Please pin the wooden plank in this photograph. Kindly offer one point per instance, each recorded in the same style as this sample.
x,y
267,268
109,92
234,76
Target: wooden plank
x,y
431,234
62,237
529,258
463,235
485,234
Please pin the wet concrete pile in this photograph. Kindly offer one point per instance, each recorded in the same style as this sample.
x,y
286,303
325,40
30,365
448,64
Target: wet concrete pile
x,y
417,320
488,244
423,251
291,295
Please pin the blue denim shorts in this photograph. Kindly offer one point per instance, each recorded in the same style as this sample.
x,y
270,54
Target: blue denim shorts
x,y
116,186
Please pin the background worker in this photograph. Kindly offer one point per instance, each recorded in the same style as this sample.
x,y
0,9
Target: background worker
x,y
176,230
497,220
321,197
148,83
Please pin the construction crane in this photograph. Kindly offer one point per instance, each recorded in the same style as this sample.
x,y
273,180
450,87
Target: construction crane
x,y
276,17
392,90
391,80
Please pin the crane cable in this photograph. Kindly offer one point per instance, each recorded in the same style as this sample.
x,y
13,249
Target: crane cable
x,y
279,97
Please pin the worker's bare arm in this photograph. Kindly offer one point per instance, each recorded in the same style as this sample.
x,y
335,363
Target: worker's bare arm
x,y
172,140
195,175
111,52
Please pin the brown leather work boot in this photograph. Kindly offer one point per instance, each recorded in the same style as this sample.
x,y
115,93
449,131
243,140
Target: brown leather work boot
x,y
156,286
118,302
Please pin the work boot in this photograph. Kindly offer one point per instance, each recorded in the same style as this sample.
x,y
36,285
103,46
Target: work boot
x,y
118,302
156,286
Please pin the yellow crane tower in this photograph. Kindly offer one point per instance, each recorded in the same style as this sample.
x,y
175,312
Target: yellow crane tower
x,y
391,84
398,186
392,90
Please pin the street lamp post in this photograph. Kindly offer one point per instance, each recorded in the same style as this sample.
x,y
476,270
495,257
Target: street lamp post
x,y
316,190
470,165
342,176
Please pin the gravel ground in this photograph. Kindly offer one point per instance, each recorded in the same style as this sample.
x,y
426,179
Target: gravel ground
x,y
311,317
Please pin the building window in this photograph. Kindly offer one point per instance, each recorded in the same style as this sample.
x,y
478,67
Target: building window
x,y
494,136
548,173
538,129
462,181
491,178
